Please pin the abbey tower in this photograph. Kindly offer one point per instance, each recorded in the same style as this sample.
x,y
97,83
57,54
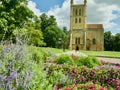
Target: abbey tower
x,y
84,36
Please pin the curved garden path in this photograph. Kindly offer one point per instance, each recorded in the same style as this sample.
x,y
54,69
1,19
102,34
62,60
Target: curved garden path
x,y
112,60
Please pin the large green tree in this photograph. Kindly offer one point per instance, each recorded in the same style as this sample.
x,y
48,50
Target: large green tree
x,y
107,41
117,42
111,42
53,35
47,21
13,14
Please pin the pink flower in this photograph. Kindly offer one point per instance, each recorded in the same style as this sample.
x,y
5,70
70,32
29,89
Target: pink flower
x,y
101,88
56,86
67,88
92,85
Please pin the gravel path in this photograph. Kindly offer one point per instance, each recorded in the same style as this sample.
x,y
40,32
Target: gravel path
x,y
113,60
76,53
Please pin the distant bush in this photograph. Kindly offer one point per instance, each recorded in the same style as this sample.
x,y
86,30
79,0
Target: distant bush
x,y
38,54
65,59
87,61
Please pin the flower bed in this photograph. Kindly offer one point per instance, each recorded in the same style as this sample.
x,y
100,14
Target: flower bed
x,y
87,86
106,77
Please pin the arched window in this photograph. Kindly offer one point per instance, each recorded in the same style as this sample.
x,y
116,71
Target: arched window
x,y
76,40
76,12
80,12
79,40
94,41
79,20
75,20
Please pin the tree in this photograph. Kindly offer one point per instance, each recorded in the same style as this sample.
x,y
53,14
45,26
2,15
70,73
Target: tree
x,y
35,37
65,30
117,42
46,21
107,41
111,42
13,14
53,36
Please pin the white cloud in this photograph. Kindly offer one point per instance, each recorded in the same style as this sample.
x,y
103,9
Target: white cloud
x,y
98,11
61,14
102,13
32,6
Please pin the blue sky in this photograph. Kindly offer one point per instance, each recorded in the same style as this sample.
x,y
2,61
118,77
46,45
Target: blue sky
x,y
45,5
106,12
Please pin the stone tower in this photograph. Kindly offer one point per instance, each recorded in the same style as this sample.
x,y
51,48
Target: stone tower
x,y
77,25
84,36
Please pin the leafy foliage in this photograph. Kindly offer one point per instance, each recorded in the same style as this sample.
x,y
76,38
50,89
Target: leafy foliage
x,y
106,76
53,35
13,14
87,86
111,42
15,68
20,69
47,21
87,61
65,59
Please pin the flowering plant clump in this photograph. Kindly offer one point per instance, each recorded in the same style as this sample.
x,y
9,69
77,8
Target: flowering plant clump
x,y
90,62
109,77
111,64
87,86
15,67
19,70
65,59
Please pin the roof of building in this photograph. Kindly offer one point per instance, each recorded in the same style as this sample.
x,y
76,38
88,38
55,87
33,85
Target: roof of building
x,y
94,26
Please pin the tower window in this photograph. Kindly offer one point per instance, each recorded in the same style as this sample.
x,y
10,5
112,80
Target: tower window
x,y
79,40
75,40
76,12
75,20
80,12
79,20
94,41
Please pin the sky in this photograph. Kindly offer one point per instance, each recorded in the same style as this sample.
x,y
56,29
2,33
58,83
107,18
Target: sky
x,y
106,12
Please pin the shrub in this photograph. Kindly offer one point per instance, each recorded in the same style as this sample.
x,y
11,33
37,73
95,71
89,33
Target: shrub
x,y
15,67
38,54
87,61
65,59
19,70
87,86
106,77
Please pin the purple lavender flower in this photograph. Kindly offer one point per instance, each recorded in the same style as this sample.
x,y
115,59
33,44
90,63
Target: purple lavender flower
x,y
2,78
11,77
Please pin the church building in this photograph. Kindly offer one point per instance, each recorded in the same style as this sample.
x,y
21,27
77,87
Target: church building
x,y
84,36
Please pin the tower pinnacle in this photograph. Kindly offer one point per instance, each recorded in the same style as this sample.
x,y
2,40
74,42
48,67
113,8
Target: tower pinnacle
x,y
71,2
85,2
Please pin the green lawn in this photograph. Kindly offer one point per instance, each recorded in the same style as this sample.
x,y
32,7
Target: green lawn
x,y
53,50
48,49
112,54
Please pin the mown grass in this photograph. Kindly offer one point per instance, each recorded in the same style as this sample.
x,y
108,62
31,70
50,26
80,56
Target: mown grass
x,y
50,50
111,54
